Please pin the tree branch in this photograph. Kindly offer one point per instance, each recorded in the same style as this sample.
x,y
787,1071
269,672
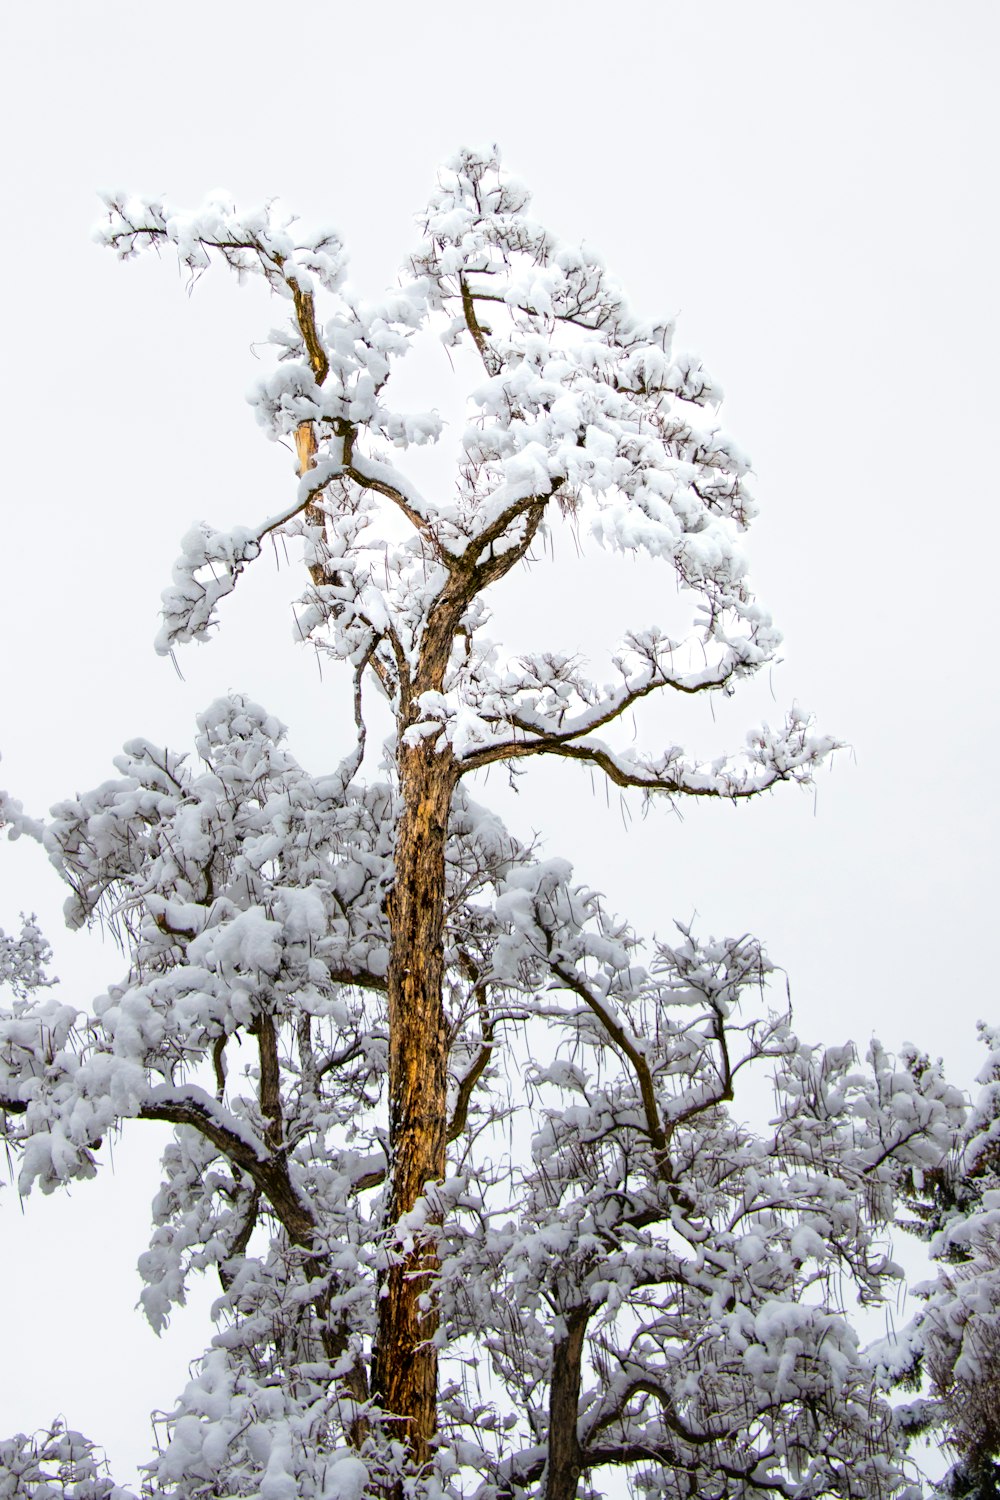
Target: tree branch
x,y
624,774
546,741
365,473
242,1239
640,1452
486,354
268,1173
305,316
625,1045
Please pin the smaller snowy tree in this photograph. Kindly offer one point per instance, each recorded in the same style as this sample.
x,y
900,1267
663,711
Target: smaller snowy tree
x,y
23,959
343,989
956,1338
56,1464
655,1288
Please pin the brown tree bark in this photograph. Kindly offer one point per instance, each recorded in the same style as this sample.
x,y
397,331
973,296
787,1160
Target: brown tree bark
x,y
404,1366
562,1474
404,1355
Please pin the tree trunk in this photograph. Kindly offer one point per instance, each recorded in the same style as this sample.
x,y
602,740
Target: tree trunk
x,y
562,1474
404,1365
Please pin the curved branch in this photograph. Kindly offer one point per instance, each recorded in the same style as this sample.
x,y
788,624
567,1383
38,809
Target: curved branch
x,y
671,780
490,362
546,740
305,316
497,565
460,1115
242,1240
268,1173
370,474
644,1452
371,1179
470,297
620,1039
219,1064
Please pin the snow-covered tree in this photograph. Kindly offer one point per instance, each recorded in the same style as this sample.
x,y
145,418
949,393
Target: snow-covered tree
x,y
344,988
23,959
55,1464
956,1337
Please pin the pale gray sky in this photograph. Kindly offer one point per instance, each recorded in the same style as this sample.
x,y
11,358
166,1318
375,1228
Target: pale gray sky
x,y
812,188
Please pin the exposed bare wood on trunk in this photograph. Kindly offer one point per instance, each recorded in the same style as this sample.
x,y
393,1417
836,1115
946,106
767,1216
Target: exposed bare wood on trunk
x,y
562,1475
306,448
404,1369
404,1359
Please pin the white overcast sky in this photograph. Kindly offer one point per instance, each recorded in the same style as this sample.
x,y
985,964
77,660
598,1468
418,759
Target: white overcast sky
x,y
810,187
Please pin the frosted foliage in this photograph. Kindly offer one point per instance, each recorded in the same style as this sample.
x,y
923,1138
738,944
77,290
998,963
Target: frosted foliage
x,y
57,1464
704,1259
581,404
617,1273
23,959
957,1335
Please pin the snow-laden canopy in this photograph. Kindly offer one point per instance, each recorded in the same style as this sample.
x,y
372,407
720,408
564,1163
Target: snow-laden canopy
x,y
464,1152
